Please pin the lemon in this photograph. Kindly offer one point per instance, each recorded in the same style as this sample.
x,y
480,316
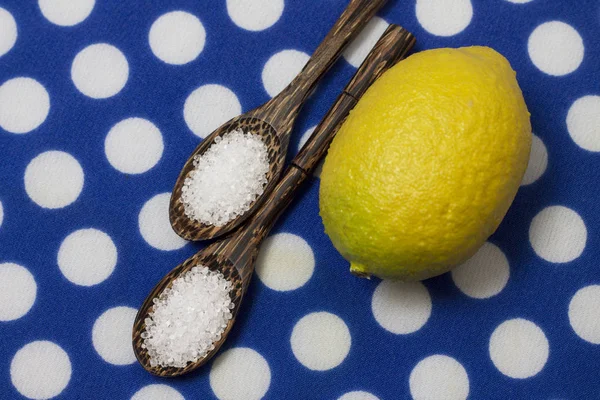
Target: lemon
x,y
427,164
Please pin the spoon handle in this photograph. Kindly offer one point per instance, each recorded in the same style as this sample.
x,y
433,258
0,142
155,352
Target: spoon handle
x,y
394,44
356,15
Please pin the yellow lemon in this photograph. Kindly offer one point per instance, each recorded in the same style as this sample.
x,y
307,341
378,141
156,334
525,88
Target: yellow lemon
x,y
427,164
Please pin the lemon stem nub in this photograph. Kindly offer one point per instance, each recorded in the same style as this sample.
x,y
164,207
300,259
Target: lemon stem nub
x,y
359,270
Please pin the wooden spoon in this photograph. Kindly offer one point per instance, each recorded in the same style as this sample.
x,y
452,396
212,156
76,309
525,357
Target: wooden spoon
x,y
273,121
235,255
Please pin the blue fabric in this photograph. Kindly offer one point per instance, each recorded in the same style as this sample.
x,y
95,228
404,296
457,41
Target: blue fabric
x,y
379,361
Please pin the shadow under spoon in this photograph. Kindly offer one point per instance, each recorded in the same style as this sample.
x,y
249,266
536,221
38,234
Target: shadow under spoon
x,y
235,255
272,122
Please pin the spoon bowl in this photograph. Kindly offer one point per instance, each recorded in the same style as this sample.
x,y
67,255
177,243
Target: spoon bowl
x,y
214,259
191,229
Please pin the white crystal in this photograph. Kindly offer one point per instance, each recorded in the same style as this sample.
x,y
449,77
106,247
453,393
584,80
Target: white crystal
x,y
188,318
227,178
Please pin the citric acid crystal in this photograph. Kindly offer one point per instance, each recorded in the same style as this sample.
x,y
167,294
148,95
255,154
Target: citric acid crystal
x,y
188,318
227,178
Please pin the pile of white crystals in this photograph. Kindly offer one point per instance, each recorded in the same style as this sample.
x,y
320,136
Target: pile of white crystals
x,y
188,318
226,178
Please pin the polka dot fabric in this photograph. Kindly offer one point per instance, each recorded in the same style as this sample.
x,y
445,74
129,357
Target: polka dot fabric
x,y
101,102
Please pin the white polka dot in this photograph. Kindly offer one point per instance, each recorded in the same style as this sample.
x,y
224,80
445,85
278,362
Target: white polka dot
x,y
100,71
519,348
558,234
360,47
483,275
87,257
155,226
133,146
584,313
320,341
358,395
17,291
240,374
538,161
255,15
24,105
8,31
285,262
53,179
583,122
401,307
444,17
157,392
307,134
40,370
209,107
281,69
1,213
555,48
439,377
177,37
519,1
66,12
111,335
